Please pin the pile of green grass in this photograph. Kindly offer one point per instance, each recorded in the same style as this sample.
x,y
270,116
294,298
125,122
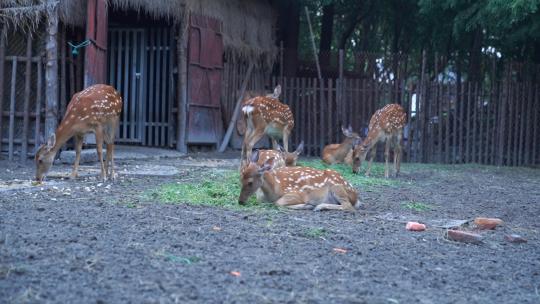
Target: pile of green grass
x,y
217,189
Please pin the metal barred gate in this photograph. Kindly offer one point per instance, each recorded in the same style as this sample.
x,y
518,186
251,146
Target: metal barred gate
x,y
140,68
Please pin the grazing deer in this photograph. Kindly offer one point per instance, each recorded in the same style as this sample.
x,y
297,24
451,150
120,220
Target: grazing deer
x,y
95,109
385,125
297,187
337,153
266,115
281,157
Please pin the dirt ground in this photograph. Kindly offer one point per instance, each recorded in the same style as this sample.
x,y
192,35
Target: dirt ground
x,y
90,242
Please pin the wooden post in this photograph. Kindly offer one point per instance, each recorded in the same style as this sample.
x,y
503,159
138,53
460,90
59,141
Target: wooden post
x,y
181,45
232,123
12,107
37,133
340,90
281,61
26,114
51,72
2,65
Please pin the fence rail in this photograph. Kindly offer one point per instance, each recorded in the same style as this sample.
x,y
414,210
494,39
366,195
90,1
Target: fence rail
x,y
493,124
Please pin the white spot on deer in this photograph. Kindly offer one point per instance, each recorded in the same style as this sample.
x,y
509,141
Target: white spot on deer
x,y
248,109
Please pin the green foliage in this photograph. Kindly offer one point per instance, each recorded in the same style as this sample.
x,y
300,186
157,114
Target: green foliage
x,y
216,189
315,232
417,206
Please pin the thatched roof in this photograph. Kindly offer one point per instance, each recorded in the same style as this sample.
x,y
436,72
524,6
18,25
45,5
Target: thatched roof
x,y
248,25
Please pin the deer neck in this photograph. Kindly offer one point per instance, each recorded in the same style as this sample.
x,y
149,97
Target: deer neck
x,y
63,133
270,187
371,139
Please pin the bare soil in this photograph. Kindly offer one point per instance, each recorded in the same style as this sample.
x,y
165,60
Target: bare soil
x,y
85,241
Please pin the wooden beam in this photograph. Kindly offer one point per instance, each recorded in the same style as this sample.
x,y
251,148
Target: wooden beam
x,y
181,115
2,74
232,123
51,73
12,109
26,118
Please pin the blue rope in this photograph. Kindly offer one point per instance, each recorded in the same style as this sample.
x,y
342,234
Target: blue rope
x,y
75,48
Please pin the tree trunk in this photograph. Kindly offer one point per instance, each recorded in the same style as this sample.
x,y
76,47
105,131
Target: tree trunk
x,y
327,27
51,72
290,19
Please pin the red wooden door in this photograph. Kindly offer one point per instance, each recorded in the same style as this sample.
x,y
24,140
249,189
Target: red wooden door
x,y
95,61
205,67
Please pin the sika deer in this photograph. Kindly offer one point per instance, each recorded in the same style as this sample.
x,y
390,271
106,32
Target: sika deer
x,y
95,109
337,153
385,125
281,157
266,115
297,187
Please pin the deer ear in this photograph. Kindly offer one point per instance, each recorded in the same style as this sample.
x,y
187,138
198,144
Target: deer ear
x,y
255,156
300,148
357,141
51,141
277,92
267,166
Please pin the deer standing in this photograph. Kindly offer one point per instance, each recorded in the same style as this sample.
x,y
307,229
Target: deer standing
x,y
281,157
297,187
266,115
337,153
385,125
95,109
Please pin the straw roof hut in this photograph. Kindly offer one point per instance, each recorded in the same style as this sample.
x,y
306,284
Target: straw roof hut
x,y
248,25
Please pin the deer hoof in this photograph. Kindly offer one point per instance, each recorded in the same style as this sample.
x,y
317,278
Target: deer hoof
x,y
73,176
318,208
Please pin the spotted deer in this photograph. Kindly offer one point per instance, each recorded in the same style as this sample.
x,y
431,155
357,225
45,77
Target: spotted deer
x,y
266,115
95,109
281,157
385,125
297,187
337,153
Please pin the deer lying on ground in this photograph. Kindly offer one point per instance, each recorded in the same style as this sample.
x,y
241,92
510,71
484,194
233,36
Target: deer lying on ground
x,y
297,187
281,157
337,153
385,125
95,109
266,115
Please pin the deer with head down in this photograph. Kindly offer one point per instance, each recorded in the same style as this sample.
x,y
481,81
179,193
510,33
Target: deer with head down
x,y
297,187
95,109
385,125
266,115
339,153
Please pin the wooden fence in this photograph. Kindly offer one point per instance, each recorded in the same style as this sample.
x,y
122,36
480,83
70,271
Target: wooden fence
x,y
494,124
22,86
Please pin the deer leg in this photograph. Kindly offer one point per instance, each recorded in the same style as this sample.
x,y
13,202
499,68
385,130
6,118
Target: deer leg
x,y
386,155
286,140
336,199
99,149
274,143
293,200
109,140
372,153
397,154
78,146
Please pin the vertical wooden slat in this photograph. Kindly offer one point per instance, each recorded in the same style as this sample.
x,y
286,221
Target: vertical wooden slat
x,y
515,139
119,81
522,119
163,100
2,73
468,128
461,123
481,132
503,100
331,108
151,91
141,100
440,101
510,102
63,81
37,133
536,109
447,123
302,101
474,109
157,100
171,89
11,129
133,50
26,105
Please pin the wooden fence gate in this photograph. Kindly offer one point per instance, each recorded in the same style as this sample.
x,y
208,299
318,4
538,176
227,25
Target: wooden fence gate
x,y
140,68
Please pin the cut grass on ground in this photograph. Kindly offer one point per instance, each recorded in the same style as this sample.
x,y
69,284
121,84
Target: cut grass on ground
x,y
417,206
